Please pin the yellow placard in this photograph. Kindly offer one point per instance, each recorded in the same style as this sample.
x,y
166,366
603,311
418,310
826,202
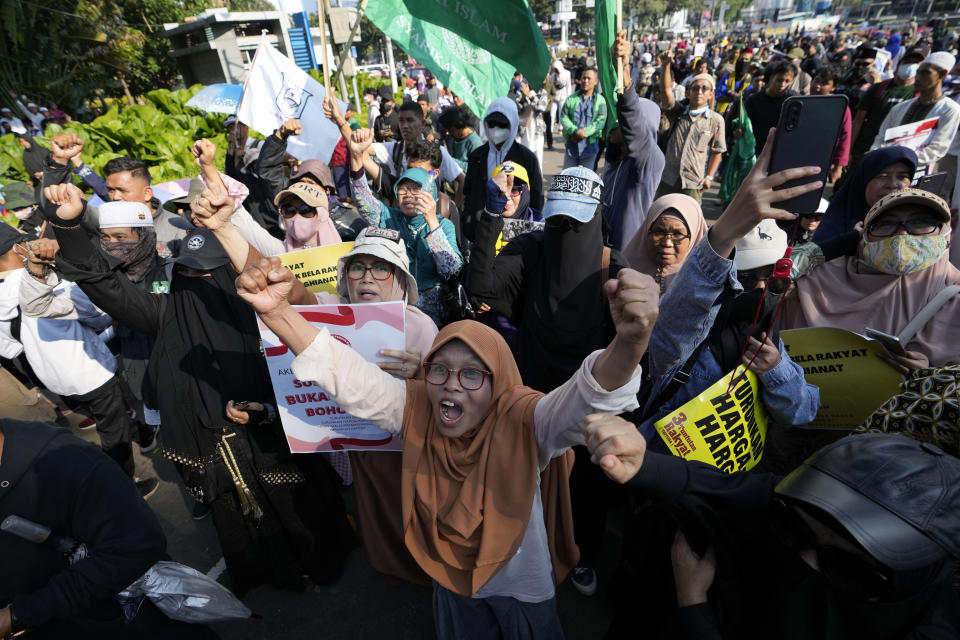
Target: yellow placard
x,y
724,430
853,381
316,268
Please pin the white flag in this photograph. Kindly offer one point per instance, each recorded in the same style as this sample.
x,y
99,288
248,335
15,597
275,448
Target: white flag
x,y
277,90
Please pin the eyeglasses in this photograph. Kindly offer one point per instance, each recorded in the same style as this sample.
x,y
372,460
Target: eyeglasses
x,y
675,238
850,572
470,379
290,210
408,189
698,88
887,228
379,270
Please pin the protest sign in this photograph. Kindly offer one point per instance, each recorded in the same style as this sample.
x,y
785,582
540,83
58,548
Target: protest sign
x,y
311,420
881,61
724,430
316,268
472,47
277,90
853,381
914,135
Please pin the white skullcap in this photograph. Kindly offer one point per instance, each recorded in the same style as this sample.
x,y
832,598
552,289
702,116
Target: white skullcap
x,y
124,214
942,60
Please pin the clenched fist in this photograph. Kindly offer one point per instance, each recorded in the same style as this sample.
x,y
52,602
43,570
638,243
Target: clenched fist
x,y
67,197
205,152
265,285
212,210
289,128
615,445
634,305
65,147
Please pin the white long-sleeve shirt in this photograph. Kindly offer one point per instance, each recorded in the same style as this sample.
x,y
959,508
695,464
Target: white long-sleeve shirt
x,y
364,390
59,331
948,113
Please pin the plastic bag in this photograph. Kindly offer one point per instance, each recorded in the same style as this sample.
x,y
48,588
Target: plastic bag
x,y
185,594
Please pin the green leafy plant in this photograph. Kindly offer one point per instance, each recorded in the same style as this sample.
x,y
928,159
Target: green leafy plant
x,y
159,132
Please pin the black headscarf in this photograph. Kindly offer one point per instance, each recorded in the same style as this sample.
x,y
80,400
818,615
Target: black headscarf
x,y
848,205
732,325
207,352
36,158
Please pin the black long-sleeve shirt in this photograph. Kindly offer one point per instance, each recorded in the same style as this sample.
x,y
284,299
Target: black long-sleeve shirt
x,y
52,478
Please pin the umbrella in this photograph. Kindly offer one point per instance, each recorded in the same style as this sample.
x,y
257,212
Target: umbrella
x,y
219,98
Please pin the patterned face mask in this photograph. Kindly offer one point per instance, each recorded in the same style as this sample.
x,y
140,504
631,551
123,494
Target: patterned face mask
x,y
902,254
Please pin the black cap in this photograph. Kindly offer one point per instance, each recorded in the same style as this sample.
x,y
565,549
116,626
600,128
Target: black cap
x,y
899,498
9,237
201,250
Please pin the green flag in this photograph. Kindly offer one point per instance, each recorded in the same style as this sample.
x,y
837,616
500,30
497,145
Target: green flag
x,y
473,48
605,28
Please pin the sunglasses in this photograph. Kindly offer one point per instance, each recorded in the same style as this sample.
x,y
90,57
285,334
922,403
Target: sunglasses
x,y
290,210
887,228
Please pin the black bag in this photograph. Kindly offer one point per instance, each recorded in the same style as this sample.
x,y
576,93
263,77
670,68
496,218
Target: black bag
x,y
454,303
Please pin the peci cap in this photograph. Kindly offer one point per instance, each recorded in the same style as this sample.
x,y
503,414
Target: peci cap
x,y
705,77
899,498
318,170
385,244
576,193
201,250
763,245
934,203
941,60
514,169
124,214
311,195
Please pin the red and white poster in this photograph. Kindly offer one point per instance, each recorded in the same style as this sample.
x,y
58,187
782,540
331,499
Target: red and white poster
x,y
914,135
311,420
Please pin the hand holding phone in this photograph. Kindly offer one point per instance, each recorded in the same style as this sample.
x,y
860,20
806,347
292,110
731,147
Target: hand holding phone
x,y
890,343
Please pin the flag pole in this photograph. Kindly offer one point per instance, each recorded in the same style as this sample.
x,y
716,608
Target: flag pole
x,y
322,10
619,28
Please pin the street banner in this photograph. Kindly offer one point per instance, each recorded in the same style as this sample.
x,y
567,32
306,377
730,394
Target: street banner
x,y
853,381
311,420
724,430
914,135
473,48
605,28
316,268
277,90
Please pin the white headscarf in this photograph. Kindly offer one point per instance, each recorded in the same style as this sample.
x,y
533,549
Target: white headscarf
x,y
508,108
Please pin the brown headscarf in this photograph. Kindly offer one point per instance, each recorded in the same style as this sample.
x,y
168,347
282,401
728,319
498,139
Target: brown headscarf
x,y
843,293
467,500
637,252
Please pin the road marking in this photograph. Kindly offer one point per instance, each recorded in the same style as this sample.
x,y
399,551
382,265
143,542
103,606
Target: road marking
x,y
217,569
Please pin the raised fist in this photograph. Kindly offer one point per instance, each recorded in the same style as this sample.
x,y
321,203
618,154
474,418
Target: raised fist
x,y
65,146
67,197
359,141
265,285
290,128
615,445
205,152
634,305
212,210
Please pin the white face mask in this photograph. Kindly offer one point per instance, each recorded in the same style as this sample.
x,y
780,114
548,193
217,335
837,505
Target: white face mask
x,y
496,135
907,71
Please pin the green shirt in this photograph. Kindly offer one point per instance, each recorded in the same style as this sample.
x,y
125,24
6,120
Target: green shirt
x,y
877,103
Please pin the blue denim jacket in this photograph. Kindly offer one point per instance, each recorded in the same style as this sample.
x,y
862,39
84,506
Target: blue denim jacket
x,y
687,313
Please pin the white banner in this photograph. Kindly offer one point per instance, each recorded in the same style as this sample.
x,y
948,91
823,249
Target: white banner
x,y
312,421
277,90
914,135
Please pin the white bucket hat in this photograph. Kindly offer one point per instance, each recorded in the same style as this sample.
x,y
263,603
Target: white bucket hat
x,y
385,244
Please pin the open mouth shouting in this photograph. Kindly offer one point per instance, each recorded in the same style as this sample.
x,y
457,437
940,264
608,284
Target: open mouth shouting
x,y
450,412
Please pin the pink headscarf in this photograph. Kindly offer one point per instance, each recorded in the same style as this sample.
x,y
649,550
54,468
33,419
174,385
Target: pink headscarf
x,y
843,293
637,252
306,233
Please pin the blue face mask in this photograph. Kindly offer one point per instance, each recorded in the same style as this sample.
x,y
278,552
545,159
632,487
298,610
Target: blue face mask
x,y
907,71
700,111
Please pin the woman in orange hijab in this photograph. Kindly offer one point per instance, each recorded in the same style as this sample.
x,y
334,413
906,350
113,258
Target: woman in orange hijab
x,y
474,443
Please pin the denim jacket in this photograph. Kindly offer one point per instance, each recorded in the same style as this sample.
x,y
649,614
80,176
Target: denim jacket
x,y
687,313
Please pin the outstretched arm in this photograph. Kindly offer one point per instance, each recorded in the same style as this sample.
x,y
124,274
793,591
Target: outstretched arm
x,y
359,387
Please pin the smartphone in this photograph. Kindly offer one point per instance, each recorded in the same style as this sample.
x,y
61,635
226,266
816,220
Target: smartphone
x,y
889,342
806,136
933,183
242,405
